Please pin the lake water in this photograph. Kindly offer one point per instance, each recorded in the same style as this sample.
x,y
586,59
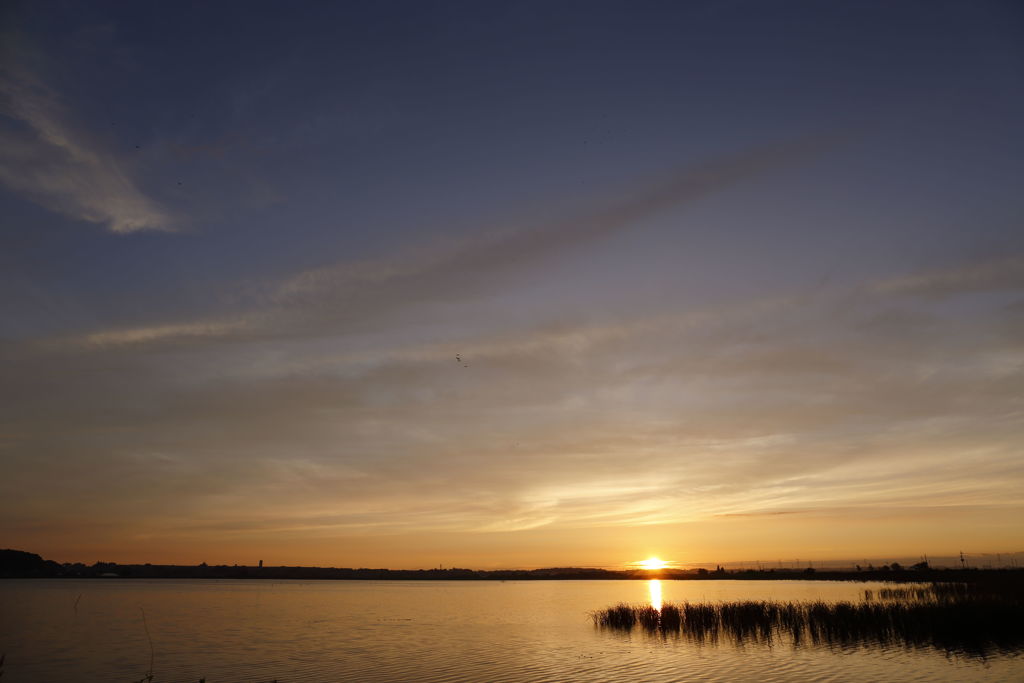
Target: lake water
x,y
472,631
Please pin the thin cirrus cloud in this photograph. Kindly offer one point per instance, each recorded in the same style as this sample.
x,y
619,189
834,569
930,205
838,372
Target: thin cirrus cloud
x,y
444,273
745,400
530,438
392,443
139,335
1001,274
327,299
731,427
47,158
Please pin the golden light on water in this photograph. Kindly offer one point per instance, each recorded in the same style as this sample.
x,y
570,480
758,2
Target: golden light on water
x,y
654,588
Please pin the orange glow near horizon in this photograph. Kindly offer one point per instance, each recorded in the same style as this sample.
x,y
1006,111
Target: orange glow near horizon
x,y
652,563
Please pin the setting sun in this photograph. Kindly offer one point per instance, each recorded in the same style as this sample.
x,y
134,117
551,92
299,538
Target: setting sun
x,y
653,563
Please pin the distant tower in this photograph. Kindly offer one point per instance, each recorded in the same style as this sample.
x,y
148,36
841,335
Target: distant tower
x,y
261,564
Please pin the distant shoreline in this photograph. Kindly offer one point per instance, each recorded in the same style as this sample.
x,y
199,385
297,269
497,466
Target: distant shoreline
x,y
21,564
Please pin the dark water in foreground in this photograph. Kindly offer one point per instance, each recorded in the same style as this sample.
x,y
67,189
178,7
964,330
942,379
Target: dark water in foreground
x,y
304,631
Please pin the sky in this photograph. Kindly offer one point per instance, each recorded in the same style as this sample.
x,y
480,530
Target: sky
x,y
408,284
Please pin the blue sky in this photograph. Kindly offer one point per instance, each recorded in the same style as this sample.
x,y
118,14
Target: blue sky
x,y
722,276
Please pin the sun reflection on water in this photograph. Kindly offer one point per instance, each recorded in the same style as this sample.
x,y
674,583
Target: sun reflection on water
x,y
654,588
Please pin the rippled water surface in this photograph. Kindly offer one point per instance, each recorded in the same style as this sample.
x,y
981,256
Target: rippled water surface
x,y
303,631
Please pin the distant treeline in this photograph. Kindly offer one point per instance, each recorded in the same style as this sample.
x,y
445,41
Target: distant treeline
x,y
21,564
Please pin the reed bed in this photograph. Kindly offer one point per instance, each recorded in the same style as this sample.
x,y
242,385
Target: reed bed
x,y
956,620
936,592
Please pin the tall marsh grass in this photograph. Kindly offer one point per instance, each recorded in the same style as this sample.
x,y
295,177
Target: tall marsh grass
x,y
954,618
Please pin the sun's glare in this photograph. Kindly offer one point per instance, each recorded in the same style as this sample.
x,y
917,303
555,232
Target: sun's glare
x,y
654,588
653,563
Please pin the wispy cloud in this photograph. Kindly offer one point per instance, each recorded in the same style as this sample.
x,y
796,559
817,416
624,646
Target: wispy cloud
x,y
138,335
49,159
780,406
1001,274
337,297
444,272
671,419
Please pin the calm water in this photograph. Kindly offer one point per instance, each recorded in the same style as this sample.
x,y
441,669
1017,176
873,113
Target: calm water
x,y
304,631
